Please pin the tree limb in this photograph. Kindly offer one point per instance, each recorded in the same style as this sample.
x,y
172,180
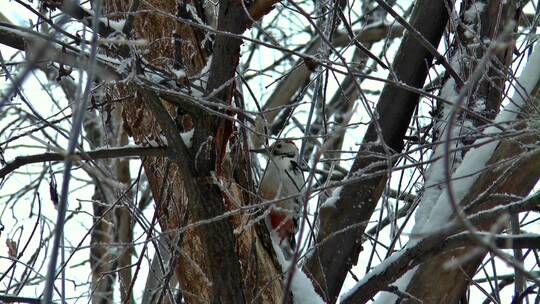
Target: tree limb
x,y
20,161
357,201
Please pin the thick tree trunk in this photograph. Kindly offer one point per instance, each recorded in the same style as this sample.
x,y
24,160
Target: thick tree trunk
x,y
211,263
485,24
519,178
350,214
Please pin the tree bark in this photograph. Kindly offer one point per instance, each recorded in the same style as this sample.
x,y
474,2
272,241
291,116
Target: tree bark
x,y
492,20
327,265
211,263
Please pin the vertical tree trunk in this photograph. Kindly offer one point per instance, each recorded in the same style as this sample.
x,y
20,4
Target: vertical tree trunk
x,y
207,259
485,21
111,218
350,214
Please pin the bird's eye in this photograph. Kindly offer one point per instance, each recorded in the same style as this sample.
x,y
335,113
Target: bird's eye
x,y
279,146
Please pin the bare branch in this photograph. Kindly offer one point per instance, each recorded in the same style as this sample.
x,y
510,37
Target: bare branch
x,y
20,161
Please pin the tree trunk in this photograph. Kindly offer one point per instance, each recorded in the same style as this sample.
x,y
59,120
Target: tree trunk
x,y
489,23
357,200
211,264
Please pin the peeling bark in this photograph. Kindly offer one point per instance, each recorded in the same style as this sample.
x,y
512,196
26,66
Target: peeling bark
x,y
207,259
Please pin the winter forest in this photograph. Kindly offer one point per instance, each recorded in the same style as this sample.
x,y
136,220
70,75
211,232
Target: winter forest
x,y
137,139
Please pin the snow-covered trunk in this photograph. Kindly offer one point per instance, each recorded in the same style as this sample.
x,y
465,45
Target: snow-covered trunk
x,y
102,255
114,225
472,39
479,25
434,178
512,170
475,28
339,236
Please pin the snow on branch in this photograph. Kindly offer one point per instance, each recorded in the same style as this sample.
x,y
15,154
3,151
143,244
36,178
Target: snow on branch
x,y
463,179
444,239
301,286
477,159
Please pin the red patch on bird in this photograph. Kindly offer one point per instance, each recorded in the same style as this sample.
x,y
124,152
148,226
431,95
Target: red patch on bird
x,y
283,224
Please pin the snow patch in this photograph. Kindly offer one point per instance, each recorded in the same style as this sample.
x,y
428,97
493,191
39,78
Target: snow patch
x,y
331,201
474,11
187,137
154,78
117,25
193,11
402,283
180,73
479,105
202,78
123,67
476,159
207,38
301,286
376,271
435,172
155,143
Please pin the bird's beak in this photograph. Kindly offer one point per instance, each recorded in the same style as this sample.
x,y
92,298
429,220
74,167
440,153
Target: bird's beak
x,y
262,151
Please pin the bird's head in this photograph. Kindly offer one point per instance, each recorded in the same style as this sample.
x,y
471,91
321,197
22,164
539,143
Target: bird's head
x,y
285,148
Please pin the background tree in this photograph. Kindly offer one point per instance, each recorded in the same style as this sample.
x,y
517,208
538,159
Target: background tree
x,y
127,127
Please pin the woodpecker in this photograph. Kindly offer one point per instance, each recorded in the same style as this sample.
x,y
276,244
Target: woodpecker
x,y
282,178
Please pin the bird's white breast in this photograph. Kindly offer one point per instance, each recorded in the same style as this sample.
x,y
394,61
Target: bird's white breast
x,y
276,183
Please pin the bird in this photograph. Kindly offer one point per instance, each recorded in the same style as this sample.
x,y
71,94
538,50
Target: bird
x,y
283,178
